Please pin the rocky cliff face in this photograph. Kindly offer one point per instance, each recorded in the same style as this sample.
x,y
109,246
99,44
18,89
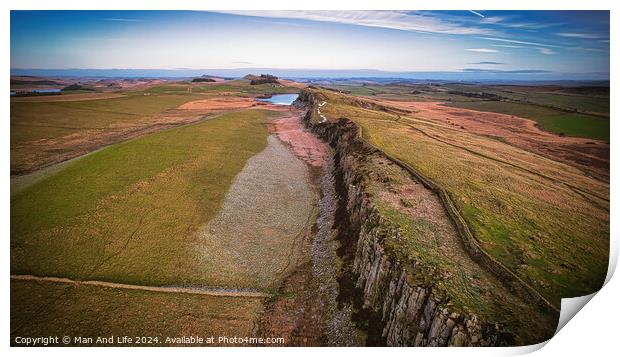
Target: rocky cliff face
x,y
404,310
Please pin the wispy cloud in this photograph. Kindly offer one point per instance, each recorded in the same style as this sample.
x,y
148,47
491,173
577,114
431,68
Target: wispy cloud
x,y
92,39
487,62
517,71
242,62
506,40
482,50
398,20
509,46
491,20
583,35
541,50
546,51
120,19
476,13
515,23
588,49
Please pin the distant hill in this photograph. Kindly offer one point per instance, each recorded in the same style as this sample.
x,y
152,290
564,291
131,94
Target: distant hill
x,y
77,86
36,82
262,79
203,79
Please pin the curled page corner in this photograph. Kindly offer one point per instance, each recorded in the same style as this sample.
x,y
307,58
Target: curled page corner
x,y
571,306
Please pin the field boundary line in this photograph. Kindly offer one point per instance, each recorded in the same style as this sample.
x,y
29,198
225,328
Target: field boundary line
x,y
210,291
470,242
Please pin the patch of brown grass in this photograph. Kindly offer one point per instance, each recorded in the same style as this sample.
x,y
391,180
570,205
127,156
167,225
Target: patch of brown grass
x,y
545,220
52,309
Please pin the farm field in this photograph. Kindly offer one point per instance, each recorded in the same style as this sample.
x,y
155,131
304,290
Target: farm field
x,y
552,120
543,219
179,219
535,201
578,112
168,194
49,129
156,206
431,249
590,156
588,100
105,312
393,178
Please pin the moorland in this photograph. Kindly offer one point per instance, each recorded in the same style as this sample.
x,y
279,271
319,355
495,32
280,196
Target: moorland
x,y
169,207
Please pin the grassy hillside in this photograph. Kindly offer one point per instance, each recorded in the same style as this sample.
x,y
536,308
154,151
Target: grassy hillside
x,y
53,129
593,100
90,311
429,248
128,213
555,121
32,121
580,112
544,220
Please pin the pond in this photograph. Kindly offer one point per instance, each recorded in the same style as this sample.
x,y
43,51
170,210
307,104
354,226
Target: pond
x,y
37,91
281,99
46,90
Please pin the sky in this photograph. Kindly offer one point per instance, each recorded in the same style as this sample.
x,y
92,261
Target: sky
x,y
527,44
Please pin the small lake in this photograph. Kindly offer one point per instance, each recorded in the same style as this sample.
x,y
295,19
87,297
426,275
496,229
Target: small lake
x,y
42,91
46,90
281,99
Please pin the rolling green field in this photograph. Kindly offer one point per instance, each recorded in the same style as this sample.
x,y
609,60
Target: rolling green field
x,y
240,87
129,213
32,121
51,129
582,99
555,109
555,121
544,220
429,242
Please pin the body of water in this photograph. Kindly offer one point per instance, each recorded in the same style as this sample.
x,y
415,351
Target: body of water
x,y
54,90
281,99
46,90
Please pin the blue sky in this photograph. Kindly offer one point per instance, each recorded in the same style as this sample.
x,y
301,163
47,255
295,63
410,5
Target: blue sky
x,y
509,42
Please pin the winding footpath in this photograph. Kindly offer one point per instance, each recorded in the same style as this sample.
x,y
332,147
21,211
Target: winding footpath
x,y
161,289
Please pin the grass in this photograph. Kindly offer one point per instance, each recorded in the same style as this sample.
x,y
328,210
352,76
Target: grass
x,y
554,97
517,203
431,251
92,312
537,103
31,121
50,130
555,121
128,213
239,87
587,100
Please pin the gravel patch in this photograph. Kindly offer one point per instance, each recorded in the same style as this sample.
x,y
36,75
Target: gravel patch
x,y
339,330
254,240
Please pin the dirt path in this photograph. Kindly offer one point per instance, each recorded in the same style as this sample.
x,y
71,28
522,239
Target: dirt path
x,y
162,289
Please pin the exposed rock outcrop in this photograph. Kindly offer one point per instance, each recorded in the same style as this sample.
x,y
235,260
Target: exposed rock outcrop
x,y
405,310
262,79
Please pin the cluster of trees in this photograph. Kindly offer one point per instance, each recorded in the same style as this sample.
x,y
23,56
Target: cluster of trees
x,y
264,78
482,95
203,79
